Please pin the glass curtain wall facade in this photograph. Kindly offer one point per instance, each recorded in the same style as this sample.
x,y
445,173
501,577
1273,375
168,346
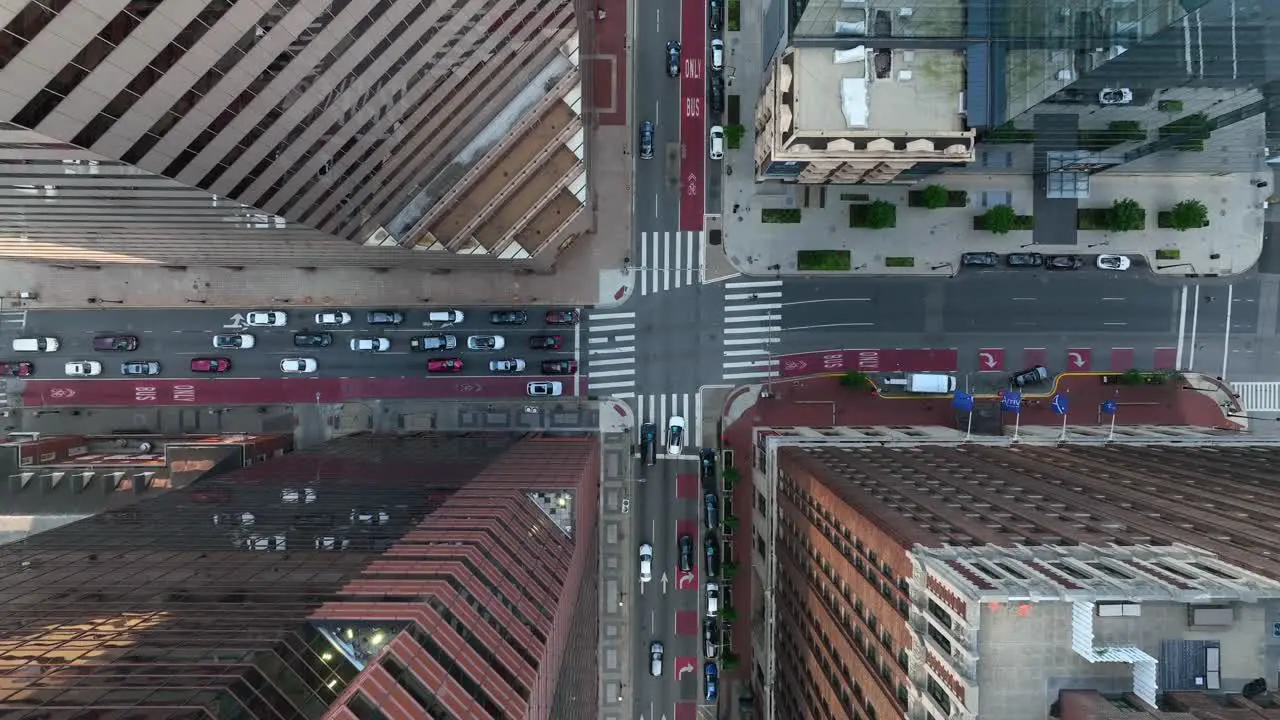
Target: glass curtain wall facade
x,y
1188,80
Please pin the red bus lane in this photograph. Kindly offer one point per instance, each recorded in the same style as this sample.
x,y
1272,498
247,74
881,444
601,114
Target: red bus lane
x,y
693,126
869,361
269,391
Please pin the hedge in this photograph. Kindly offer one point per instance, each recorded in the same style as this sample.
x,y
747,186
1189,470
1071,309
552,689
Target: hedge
x,y
780,215
954,199
826,260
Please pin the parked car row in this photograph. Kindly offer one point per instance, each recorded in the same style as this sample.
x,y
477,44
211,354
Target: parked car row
x,y
715,61
1049,262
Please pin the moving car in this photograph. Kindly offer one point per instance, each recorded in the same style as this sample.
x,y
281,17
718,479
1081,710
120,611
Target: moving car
x,y
140,367
297,365
717,54
1063,262
559,367
266,318
312,339
711,555
115,343
712,674
384,317
980,259
441,365
655,659
715,148
485,342
562,317
233,341
1113,262
210,365
713,599
646,140
508,317
710,638
711,510
16,369
1030,376
646,562
648,444
707,461
675,435
370,344
1024,260
673,58
545,342
545,388
83,368
333,318
427,343
510,365
686,553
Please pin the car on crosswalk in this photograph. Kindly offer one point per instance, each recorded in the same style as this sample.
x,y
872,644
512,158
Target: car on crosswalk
x,y
559,367
675,435
16,369
562,317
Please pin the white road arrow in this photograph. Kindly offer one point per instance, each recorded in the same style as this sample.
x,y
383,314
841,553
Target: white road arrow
x,y
237,322
664,583
692,179
988,359
1076,359
687,667
686,578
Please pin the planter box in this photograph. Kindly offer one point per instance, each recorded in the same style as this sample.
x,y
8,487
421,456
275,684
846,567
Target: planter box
x,y
780,215
824,260
1174,254
1020,222
1100,219
905,261
858,216
1164,220
955,199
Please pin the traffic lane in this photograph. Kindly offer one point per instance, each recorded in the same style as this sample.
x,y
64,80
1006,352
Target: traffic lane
x,y
879,307
1058,302
270,391
1215,307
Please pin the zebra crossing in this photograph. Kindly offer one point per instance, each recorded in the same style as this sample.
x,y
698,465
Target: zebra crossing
x,y
611,360
14,319
752,322
658,408
669,260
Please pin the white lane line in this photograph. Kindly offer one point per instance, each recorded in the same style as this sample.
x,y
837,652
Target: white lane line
x,y
757,283
1115,323
751,341
745,375
751,318
610,328
1182,329
1115,299
1024,298
744,308
752,296
740,331
752,363
848,324
1226,337
610,316
1195,323
741,353
613,361
610,373
826,300
610,351
606,386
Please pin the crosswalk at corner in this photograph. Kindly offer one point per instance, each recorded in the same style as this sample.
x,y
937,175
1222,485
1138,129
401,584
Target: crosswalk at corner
x,y
14,319
670,260
752,322
659,408
611,360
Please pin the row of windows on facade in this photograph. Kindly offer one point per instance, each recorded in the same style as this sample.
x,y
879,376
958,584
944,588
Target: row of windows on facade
x,y
125,22
855,704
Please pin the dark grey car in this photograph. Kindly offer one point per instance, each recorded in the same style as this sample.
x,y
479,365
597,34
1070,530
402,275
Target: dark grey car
x,y
312,339
1024,260
1063,262
646,140
384,317
980,259
673,59
1030,376
140,367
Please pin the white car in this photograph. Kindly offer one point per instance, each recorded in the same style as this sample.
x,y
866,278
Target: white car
x,y
544,388
329,542
675,435
510,365
370,344
1113,262
486,342
717,54
713,599
646,562
370,517
296,365
266,318
715,148
1115,96
295,495
83,368
333,318
265,542
655,659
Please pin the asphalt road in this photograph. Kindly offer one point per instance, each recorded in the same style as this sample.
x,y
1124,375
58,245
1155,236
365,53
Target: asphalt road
x,y
656,98
175,336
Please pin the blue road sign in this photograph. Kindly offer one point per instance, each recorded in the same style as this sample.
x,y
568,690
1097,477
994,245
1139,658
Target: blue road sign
x,y
1011,402
1108,407
1059,404
962,401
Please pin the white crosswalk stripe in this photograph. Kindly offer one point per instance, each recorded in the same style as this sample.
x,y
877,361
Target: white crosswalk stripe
x,y
14,318
1258,396
752,322
611,362
669,260
658,408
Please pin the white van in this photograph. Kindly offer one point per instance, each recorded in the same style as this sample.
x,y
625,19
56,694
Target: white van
x,y
715,149
452,317
36,344
930,383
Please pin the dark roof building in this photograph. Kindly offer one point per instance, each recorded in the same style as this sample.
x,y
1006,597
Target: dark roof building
x,y
430,576
904,573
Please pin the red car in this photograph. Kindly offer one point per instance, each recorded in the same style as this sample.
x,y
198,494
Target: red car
x,y
545,342
562,317
444,365
19,369
559,367
210,365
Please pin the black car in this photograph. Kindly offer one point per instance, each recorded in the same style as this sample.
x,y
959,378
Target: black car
x,y
544,342
648,444
715,93
707,459
713,15
508,317
711,555
1024,259
686,553
711,510
426,343
710,637
384,317
980,259
673,59
1063,262
312,339
140,367
115,343
646,140
1030,376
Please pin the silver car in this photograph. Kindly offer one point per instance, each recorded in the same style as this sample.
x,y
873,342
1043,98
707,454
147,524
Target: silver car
x,y
655,659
